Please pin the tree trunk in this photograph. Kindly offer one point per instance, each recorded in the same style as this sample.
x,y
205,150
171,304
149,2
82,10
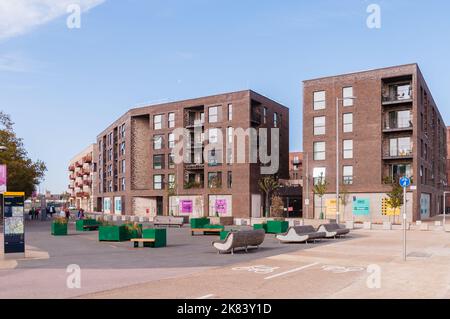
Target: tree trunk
x,y
266,212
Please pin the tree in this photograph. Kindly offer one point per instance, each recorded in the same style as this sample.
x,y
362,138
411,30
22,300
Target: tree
x,y
268,185
344,198
320,188
277,206
23,174
395,196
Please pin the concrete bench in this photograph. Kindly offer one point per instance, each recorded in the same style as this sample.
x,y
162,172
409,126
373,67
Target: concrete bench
x,y
241,239
136,241
206,231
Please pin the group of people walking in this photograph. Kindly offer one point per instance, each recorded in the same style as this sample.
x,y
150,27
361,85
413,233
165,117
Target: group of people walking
x,y
36,213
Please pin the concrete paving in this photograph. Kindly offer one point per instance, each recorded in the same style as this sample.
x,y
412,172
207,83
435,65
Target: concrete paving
x,y
190,268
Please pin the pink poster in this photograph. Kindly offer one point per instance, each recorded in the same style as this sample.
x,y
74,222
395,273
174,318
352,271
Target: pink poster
x,y
221,206
3,178
186,206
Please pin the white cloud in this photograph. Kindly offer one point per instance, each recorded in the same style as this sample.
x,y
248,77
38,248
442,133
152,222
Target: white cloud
x,y
20,16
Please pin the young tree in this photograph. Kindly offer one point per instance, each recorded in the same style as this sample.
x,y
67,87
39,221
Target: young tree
x,y
277,206
23,174
395,199
268,185
344,198
320,188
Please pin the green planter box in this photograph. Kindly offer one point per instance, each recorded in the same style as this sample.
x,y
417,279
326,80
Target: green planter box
x,y
59,229
159,235
113,233
199,222
277,227
260,226
79,226
224,234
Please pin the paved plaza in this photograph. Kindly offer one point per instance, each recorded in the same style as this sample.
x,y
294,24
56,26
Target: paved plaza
x,y
366,264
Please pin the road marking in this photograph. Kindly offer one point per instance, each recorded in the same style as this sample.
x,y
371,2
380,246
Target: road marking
x,y
206,297
291,271
258,269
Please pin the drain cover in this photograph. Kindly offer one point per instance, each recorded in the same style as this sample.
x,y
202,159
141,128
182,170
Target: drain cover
x,y
419,254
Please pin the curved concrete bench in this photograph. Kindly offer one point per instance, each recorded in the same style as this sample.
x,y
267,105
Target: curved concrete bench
x,y
300,234
240,239
333,230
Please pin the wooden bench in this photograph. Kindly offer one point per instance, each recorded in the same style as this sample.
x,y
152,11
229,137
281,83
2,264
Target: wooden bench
x,y
215,231
136,241
91,227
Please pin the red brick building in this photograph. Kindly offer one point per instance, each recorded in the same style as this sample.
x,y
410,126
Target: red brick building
x,y
139,176
296,168
393,128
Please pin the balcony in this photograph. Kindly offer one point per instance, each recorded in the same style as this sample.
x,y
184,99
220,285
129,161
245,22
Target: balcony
x,y
72,177
397,93
87,183
406,127
78,164
86,171
404,154
87,159
72,168
82,194
194,166
255,118
190,123
79,174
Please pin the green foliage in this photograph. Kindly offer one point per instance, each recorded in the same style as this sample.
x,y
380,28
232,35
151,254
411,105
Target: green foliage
x,y
395,199
320,189
23,174
60,220
277,206
268,185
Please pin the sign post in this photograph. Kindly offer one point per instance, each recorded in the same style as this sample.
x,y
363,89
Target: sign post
x,y
404,182
14,229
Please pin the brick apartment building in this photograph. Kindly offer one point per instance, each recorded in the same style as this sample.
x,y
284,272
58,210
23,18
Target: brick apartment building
x,y
447,200
81,179
392,128
137,173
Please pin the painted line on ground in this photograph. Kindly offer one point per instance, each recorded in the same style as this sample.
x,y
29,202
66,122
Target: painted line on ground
x,y
206,296
291,271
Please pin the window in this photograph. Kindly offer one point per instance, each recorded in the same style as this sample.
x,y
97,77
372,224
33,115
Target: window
x,y
348,149
157,142
110,139
157,182
171,160
109,170
213,134
123,167
110,186
122,184
214,157
347,94
171,140
171,121
348,122
110,154
157,122
171,181
319,100
400,146
230,112
230,179
264,115
275,119
230,136
319,151
158,161
215,180
319,174
319,125
400,170
348,175
213,114
404,92
122,131
122,148
400,119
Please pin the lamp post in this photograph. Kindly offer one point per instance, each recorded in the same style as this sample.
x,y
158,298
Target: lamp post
x,y
337,152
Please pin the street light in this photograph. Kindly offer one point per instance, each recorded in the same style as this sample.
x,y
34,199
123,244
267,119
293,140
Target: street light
x,y
337,152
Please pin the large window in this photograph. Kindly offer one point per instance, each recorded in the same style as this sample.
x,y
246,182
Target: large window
x,y
319,100
158,182
275,119
319,174
347,94
347,175
230,179
215,180
171,181
171,120
214,157
213,114
348,122
264,115
122,184
348,149
319,125
123,166
158,161
319,151
157,122
230,112
171,140
157,142
398,171
122,131
400,146
213,135
171,160
122,148
399,119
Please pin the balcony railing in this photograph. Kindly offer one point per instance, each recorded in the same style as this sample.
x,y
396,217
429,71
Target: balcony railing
x,y
194,166
87,159
400,154
72,168
405,126
194,123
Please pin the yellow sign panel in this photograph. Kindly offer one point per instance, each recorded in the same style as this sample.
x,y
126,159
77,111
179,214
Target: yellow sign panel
x,y
330,208
387,210
14,194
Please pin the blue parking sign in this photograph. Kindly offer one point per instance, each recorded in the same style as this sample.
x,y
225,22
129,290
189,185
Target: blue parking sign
x,y
405,182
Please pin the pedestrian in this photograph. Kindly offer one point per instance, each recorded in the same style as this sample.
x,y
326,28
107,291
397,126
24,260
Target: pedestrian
x,y
31,213
82,213
67,214
36,213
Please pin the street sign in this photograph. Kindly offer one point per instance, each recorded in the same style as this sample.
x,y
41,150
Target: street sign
x,y
405,182
14,234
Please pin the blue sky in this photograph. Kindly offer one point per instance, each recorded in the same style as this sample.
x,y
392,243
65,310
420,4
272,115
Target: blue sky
x,y
63,86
